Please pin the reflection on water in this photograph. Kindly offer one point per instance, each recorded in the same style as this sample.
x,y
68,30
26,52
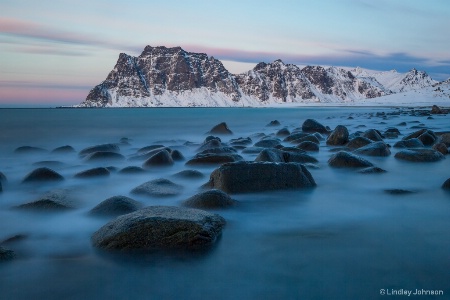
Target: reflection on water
x,y
344,239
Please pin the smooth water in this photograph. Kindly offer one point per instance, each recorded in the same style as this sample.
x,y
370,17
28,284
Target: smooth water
x,y
344,239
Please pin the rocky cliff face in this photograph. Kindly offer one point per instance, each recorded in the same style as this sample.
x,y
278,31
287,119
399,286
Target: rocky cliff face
x,y
163,76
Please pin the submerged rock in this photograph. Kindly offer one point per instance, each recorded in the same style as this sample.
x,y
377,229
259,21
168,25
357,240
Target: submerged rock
x,y
211,199
94,172
398,191
344,159
308,146
42,175
373,135
116,206
100,148
211,158
3,177
103,155
276,155
358,142
177,155
189,174
159,159
160,227
274,123
6,254
371,170
221,128
29,149
374,149
267,143
445,138
132,170
446,184
57,200
441,147
63,149
419,155
283,132
410,143
158,188
243,177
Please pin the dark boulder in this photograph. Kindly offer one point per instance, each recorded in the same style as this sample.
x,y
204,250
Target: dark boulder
x,y
436,110
42,175
411,143
6,254
343,159
94,172
159,159
147,149
211,158
29,150
158,188
398,191
177,155
358,142
418,133
210,144
308,146
189,174
3,177
275,155
57,200
311,125
63,149
211,199
295,136
446,184
371,170
283,132
445,138
419,155
221,128
241,141
103,155
339,136
274,123
427,139
100,148
441,147
267,143
160,227
373,134
132,170
374,149
308,138
116,206
246,177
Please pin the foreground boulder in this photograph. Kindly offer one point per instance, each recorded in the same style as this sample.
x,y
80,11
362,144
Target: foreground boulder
x,y
158,188
42,175
311,125
419,155
116,206
158,228
245,177
338,137
343,159
221,128
211,199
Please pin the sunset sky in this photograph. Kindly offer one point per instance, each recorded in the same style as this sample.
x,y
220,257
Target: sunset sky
x,y
53,52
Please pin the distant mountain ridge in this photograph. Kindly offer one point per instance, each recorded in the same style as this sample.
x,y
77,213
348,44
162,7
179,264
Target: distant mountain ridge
x,y
173,77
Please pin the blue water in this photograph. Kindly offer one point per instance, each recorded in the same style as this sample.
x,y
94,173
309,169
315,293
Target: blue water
x,y
345,239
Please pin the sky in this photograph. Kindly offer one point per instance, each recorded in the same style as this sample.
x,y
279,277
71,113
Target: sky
x,y
53,52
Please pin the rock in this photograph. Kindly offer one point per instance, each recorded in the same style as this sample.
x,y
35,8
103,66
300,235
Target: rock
x,y
221,128
339,136
373,135
274,123
445,138
446,184
374,149
158,188
6,254
275,155
57,200
210,144
267,143
308,138
308,146
100,148
243,177
160,227
252,150
358,142
210,138
295,136
343,159
146,155
49,164
293,150
211,199
210,158
1,187
147,149
427,139
63,149
441,147
103,155
29,149
402,124
411,143
160,159
419,155
177,155
398,191
241,141
283,132
436,110
418,133
116,206
371,170
392,130
94,172
42,175
318,136
311,125
3,177
189,174
132,170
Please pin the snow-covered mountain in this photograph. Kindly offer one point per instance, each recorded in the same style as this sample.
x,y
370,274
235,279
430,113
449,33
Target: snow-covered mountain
x,y
163,76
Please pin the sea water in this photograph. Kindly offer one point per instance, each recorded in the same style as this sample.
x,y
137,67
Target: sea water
x,y
345,239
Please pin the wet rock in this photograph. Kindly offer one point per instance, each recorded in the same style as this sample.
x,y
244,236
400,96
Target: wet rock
x,y
398,191
371,170
311,125
402,124
211,199
292,149
42,175
6,254
160,227
189,174
283,132
419,155
100,148
158,188
210,144
146,155
308,138
392,130
441,147
29,150
241,141
132,170
274,123
94,172
103,155
63,149
445,138
343,159
446,184
57,200
437,110
295,136
339,136
221,128
374,149
418,133
1,187
243,177
177,155
373,135
358,142
411,143
275,155
147,149
211,158
427,139
116,206
160,159
308,146
267,143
